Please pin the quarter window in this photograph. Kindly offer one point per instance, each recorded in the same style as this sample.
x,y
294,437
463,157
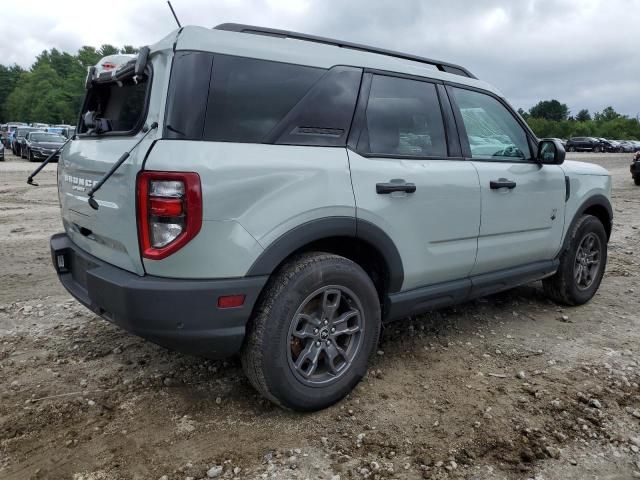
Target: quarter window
x,y
248,97
492,131
403,118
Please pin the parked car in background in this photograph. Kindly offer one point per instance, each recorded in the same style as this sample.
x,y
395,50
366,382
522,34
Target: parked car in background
x,y
7,133
609,146
40,125
1,152
18,136
39,145
585,144
68,132
627,146
64,130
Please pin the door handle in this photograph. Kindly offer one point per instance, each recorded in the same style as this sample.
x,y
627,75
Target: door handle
x,y
395,186
502,183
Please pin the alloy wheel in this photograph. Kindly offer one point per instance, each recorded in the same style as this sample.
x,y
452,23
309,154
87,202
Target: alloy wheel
x,y
587,261
325,335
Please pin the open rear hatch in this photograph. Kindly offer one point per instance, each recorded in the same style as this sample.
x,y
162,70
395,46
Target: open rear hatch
x,y
112,120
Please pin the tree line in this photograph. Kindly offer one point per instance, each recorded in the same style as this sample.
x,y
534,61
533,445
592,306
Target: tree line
x,y
550,118
52,89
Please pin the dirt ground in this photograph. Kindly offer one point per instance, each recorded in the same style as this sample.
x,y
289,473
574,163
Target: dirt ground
x,y
507,387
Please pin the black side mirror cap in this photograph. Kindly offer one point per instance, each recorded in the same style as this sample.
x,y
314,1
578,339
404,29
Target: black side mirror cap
x,y
551,152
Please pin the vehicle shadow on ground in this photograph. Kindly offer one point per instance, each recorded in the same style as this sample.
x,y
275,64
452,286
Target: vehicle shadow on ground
x,y
201,383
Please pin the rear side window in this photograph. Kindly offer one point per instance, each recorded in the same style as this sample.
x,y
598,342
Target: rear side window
x,y
492,130
188,93
249,97
123,105
403,118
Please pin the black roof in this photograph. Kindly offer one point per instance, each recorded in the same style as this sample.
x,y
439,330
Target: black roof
x,y
442,66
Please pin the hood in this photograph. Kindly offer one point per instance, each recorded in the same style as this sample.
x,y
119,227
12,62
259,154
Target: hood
x,y
46,144
583,168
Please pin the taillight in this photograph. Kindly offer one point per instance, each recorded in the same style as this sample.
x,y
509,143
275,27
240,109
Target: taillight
x,y
169,211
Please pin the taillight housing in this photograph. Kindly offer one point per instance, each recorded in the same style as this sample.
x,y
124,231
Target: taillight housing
x,y
169,211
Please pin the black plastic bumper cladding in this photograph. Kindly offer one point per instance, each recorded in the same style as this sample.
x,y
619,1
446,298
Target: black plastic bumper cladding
x,y
175,313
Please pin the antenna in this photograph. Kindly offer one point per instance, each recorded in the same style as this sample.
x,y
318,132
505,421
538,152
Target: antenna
x,y
174,14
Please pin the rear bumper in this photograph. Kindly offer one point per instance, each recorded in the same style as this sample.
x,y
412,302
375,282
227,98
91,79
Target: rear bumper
x,y
179,314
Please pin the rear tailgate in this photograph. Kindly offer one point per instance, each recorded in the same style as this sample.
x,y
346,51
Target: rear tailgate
x,y
110,233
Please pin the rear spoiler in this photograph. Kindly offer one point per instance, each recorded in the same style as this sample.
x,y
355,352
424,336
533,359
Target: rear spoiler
x,y
116,68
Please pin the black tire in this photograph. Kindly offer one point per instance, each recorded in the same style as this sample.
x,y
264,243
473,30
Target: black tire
x,y
572,149
269,348
563,286
30,155
597,149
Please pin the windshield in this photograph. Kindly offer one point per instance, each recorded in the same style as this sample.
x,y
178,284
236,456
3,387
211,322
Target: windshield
x,y
21,132
47,137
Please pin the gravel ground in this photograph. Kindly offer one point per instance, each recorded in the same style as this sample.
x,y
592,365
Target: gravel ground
x,y
508,387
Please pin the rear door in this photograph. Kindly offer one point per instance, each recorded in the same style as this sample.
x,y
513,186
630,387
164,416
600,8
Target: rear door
x,y
522,200
110,233
410,180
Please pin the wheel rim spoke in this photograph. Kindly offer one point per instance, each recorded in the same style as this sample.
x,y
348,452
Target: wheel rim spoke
x,y
335,353
345,317
330,303
307,331
310,319
307,361
345,329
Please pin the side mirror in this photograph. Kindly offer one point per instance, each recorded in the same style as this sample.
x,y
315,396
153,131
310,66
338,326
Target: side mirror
x,y
551,152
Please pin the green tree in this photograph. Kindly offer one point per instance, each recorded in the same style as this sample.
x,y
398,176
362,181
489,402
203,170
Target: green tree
x,y
9,77
583,116
107,49
129,49
88,56
52,90
606,115
550,109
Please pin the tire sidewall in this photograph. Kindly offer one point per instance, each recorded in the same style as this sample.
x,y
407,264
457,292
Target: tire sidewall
x,y
279,378
589,224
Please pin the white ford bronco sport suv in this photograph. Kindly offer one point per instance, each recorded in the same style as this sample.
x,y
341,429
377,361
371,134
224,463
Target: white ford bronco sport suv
x,y
283,196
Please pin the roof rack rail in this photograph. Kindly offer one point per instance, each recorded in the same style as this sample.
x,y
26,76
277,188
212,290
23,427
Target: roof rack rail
x,y
442,66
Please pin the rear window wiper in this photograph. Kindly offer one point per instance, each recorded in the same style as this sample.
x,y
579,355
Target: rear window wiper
x,y
92,201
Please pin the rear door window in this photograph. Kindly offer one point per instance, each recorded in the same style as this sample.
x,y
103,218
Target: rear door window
x,y
249,97
403,118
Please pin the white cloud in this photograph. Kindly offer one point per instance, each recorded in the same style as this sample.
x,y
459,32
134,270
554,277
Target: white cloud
x,y
582,52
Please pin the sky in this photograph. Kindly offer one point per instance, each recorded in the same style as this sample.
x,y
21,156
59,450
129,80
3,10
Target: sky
x,y
585,53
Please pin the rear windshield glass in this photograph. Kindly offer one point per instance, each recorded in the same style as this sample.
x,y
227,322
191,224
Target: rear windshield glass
x,y
123,106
